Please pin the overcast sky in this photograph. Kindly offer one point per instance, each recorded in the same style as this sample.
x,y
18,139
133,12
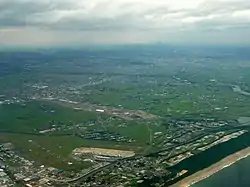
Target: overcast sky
x,y
83,22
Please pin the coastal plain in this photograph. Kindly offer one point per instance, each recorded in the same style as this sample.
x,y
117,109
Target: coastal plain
x,y
121,116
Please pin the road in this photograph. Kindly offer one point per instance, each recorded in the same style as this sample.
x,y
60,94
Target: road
x,y
94,171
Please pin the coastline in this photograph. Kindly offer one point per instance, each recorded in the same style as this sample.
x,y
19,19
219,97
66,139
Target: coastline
x,y
207,172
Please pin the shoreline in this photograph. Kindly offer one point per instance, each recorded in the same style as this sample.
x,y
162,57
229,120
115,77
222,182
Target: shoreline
x,y
211,170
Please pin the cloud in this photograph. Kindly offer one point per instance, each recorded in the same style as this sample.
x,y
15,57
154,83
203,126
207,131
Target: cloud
x,y
151,17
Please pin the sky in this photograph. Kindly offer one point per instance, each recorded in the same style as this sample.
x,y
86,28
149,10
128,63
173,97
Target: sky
x,y
87,22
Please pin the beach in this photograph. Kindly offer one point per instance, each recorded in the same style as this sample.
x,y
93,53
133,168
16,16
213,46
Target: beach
x,y
205,173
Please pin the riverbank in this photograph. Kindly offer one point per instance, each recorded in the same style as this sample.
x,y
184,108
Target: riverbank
x,y
205,173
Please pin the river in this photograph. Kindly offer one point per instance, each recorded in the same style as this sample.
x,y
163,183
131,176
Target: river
x,y
236,175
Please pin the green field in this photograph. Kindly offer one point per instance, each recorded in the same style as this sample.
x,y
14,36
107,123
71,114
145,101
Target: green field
x,y
54,149
193,84
36,147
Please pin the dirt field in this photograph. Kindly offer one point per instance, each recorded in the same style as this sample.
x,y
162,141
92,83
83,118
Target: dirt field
x,y
103,152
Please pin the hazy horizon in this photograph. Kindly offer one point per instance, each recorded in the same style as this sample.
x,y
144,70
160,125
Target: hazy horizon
x,y
120,22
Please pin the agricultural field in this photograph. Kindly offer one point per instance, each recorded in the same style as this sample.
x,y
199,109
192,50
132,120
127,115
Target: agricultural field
x,y
148,100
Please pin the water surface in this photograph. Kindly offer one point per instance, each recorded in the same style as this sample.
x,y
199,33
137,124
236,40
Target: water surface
x,y
236,175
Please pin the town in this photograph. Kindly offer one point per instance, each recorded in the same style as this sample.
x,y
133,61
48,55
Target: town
x,y
117,167
119,117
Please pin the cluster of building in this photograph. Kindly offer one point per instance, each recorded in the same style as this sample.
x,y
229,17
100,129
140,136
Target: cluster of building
x,y
19,170
223,138
107,136
11,100
182,152
132,172
112,167
116,167
184,131
5,180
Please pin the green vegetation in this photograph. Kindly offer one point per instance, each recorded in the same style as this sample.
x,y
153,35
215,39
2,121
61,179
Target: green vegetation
x,y
170,85
37,115
54,149
139,132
